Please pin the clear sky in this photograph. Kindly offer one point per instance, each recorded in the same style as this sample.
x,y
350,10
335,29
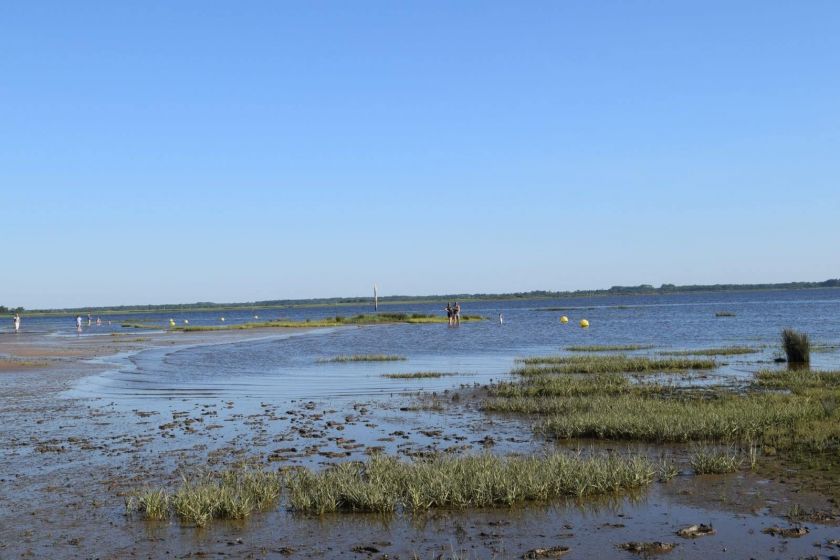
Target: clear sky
x,y
159,151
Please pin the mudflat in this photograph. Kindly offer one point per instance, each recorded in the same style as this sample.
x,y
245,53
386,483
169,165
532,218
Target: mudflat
x,y
70,463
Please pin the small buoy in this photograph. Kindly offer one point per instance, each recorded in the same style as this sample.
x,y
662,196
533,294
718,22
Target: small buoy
x,y
564,319
171,322
186,321
584,323
256,316
222,319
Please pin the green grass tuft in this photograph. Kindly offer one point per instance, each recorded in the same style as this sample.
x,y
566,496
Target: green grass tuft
x,y
363,358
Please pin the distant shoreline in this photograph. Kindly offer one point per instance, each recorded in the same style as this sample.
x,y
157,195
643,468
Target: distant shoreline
x,y
642,290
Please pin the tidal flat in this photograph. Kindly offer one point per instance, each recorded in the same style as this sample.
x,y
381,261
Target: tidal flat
x,y
177,418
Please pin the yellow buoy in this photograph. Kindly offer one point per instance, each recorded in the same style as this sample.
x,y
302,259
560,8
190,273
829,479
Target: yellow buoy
x,y
584,323
564,319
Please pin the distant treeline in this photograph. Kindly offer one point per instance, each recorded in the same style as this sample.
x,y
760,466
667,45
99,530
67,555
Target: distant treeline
x,y
643,289
4,309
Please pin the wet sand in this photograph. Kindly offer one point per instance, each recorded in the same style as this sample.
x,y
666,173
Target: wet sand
x,y
68,463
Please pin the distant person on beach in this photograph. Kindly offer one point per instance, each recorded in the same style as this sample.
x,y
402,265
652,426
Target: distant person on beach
x,y
79,323
16,321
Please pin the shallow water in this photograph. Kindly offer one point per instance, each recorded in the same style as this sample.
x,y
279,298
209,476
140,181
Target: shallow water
x,y
283,366
199,399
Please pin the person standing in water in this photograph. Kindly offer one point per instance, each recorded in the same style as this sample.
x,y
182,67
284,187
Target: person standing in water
x,y
501,319
88,319
16,321
449,313
457,313
78,323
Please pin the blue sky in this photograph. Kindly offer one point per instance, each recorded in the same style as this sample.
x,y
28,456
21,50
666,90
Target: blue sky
x,y
186,151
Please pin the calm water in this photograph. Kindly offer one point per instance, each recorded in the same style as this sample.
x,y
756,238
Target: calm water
x,y
286,366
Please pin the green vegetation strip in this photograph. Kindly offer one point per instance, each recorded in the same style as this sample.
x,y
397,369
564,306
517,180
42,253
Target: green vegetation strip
x,y
337,321
385,484
416,375
715,462
141,326
610,348
724,418
727,351
798,381
792,410
608,364
364,358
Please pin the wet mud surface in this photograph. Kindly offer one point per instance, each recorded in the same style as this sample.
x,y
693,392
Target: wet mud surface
x,y
68,463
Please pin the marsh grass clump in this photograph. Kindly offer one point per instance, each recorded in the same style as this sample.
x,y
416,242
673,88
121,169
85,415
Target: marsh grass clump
x,y
363,358
233,494
384,484
610,348
336,321
797,347
538,388
727,418
726,351
153,504
608,364
710,461
798,381
416,375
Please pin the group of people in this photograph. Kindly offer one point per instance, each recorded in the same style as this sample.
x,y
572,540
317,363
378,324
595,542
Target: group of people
x,y
89,322
453,313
